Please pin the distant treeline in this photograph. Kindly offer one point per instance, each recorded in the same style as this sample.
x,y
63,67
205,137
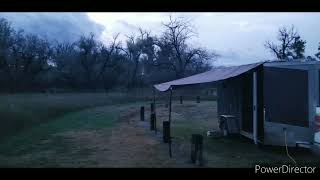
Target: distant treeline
x,y
30,63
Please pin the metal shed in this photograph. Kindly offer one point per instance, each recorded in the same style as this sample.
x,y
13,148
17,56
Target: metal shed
x,y
270,101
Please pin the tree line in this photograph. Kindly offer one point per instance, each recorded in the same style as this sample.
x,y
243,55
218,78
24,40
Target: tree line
x,y
32,63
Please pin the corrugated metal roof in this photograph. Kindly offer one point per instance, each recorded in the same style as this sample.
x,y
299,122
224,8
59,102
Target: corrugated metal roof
x,y
217,74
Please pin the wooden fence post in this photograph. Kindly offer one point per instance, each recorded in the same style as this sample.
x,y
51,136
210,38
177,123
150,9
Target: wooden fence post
x,y
200,149
142,113
198,99
193,148
166,131
152,121
152,107
170,109
155,123
197,148
181,100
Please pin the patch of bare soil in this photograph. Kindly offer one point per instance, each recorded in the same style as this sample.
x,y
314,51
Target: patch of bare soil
x,y
129,144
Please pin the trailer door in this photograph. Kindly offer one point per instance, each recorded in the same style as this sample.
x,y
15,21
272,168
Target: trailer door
x,y
286,96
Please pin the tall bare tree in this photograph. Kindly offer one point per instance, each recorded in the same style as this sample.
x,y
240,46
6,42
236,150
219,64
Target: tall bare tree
x,y
289,46
66,65
135,48
174,44
88,47
106,55
318,53
95,57
6,41
23,56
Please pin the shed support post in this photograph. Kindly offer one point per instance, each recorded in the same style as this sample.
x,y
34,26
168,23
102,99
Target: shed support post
x,y
255,108
154,97
170,108
170,105
154,110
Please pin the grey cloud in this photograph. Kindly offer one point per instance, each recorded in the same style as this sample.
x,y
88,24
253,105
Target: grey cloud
x,y
55,26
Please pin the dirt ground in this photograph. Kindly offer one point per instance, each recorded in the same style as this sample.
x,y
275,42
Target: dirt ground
x,y
129,144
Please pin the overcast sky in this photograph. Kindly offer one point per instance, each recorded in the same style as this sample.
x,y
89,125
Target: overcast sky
x,y
55,26
237,37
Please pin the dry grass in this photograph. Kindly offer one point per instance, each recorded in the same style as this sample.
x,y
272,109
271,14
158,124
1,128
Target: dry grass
x,y
126,143
114,136
191,117
22,111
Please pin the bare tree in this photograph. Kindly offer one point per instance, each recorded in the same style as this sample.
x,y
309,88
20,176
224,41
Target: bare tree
x,y
106,55
290,44
174,44
66,65
95,57
318,53
88,48
135,48
6,41
29,56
